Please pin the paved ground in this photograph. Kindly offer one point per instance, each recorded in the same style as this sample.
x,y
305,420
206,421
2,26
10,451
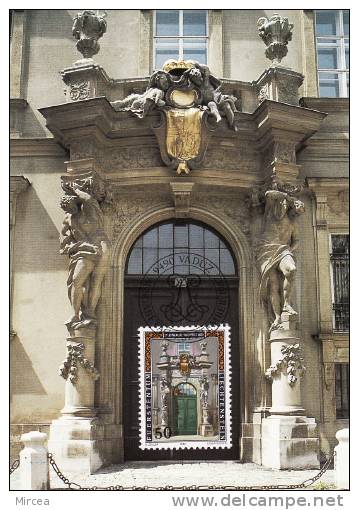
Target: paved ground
x,y
189,473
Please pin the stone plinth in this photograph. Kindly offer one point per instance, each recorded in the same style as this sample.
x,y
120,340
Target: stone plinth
x,y
77,444
290,442
77,438
289,438
286,398
280,84
85,80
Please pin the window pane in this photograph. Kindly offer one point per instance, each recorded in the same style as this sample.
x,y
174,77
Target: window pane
x,y
327,58
194,23
347,58
212,255
325,23
197,261
150,239
165,54
328,85
210,240
198,55
167,23
181,236
195,236
135,262
346,22
227,265
149,258
165,236
165,260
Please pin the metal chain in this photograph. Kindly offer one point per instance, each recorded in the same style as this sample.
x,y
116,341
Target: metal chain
x,y
14,465
303,485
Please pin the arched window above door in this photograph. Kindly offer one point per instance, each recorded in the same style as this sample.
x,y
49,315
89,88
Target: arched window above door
x,y
169,238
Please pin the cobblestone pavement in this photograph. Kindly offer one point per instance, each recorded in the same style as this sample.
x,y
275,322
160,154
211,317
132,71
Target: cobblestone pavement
x,y
189,473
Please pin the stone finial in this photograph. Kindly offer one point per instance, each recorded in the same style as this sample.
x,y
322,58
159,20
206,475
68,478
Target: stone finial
x,y
275,33
88,27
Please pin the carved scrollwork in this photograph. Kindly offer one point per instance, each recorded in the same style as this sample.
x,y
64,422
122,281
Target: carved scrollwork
x,y
79,90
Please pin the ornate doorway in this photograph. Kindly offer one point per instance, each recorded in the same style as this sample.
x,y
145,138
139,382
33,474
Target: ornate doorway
x,y
196,264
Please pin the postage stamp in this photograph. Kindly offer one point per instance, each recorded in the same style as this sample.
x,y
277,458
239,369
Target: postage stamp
x,y
185,387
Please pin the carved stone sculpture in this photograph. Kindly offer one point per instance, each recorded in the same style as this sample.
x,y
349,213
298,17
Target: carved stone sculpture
x,y
165,388
275,251
204,391
275,33
291,362
83,238
74,359
191,103
87,28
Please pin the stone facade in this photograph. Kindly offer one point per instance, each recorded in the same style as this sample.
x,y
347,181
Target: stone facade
x,y
287,139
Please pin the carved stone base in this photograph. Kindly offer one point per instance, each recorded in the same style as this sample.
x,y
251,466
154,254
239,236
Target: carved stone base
x,y
206,429
279,83
286,396
84,445
290,442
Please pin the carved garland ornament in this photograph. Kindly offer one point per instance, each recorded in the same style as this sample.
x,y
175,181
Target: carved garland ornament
x,y
74,359
291,361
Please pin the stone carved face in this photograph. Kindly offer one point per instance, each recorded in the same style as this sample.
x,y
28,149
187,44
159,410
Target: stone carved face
x,y
196,76
69,204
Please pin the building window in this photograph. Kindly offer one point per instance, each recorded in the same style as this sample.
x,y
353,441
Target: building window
x,y
181,35
342,390
184,347
157,247
340,281
332,37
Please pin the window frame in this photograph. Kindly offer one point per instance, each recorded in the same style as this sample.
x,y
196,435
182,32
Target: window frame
x,y
341,44
340,413
180,37
332,283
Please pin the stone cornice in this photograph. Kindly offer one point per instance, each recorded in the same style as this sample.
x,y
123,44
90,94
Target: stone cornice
x,y
35,147
326,104
327,185
283,122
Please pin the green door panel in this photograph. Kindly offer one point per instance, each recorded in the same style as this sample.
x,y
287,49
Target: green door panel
x,y
186,416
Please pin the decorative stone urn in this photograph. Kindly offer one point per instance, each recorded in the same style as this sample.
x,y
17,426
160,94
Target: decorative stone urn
x,y
275,33
88,27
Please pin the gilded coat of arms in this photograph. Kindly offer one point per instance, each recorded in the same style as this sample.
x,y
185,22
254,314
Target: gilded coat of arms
x,y
191,105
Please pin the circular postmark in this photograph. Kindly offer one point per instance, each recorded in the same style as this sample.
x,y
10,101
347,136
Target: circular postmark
x,y
184,289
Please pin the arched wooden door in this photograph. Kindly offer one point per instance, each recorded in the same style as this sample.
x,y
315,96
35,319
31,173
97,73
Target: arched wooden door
x,y
184,294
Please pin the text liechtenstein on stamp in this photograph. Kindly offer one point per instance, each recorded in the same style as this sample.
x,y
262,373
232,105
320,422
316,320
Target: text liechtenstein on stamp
x,y
185,392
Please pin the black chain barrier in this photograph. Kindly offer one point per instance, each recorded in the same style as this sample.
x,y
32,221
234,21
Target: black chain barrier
x,y
303,485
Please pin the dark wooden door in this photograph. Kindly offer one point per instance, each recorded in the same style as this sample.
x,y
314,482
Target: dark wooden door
x,y
186,416
130,390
